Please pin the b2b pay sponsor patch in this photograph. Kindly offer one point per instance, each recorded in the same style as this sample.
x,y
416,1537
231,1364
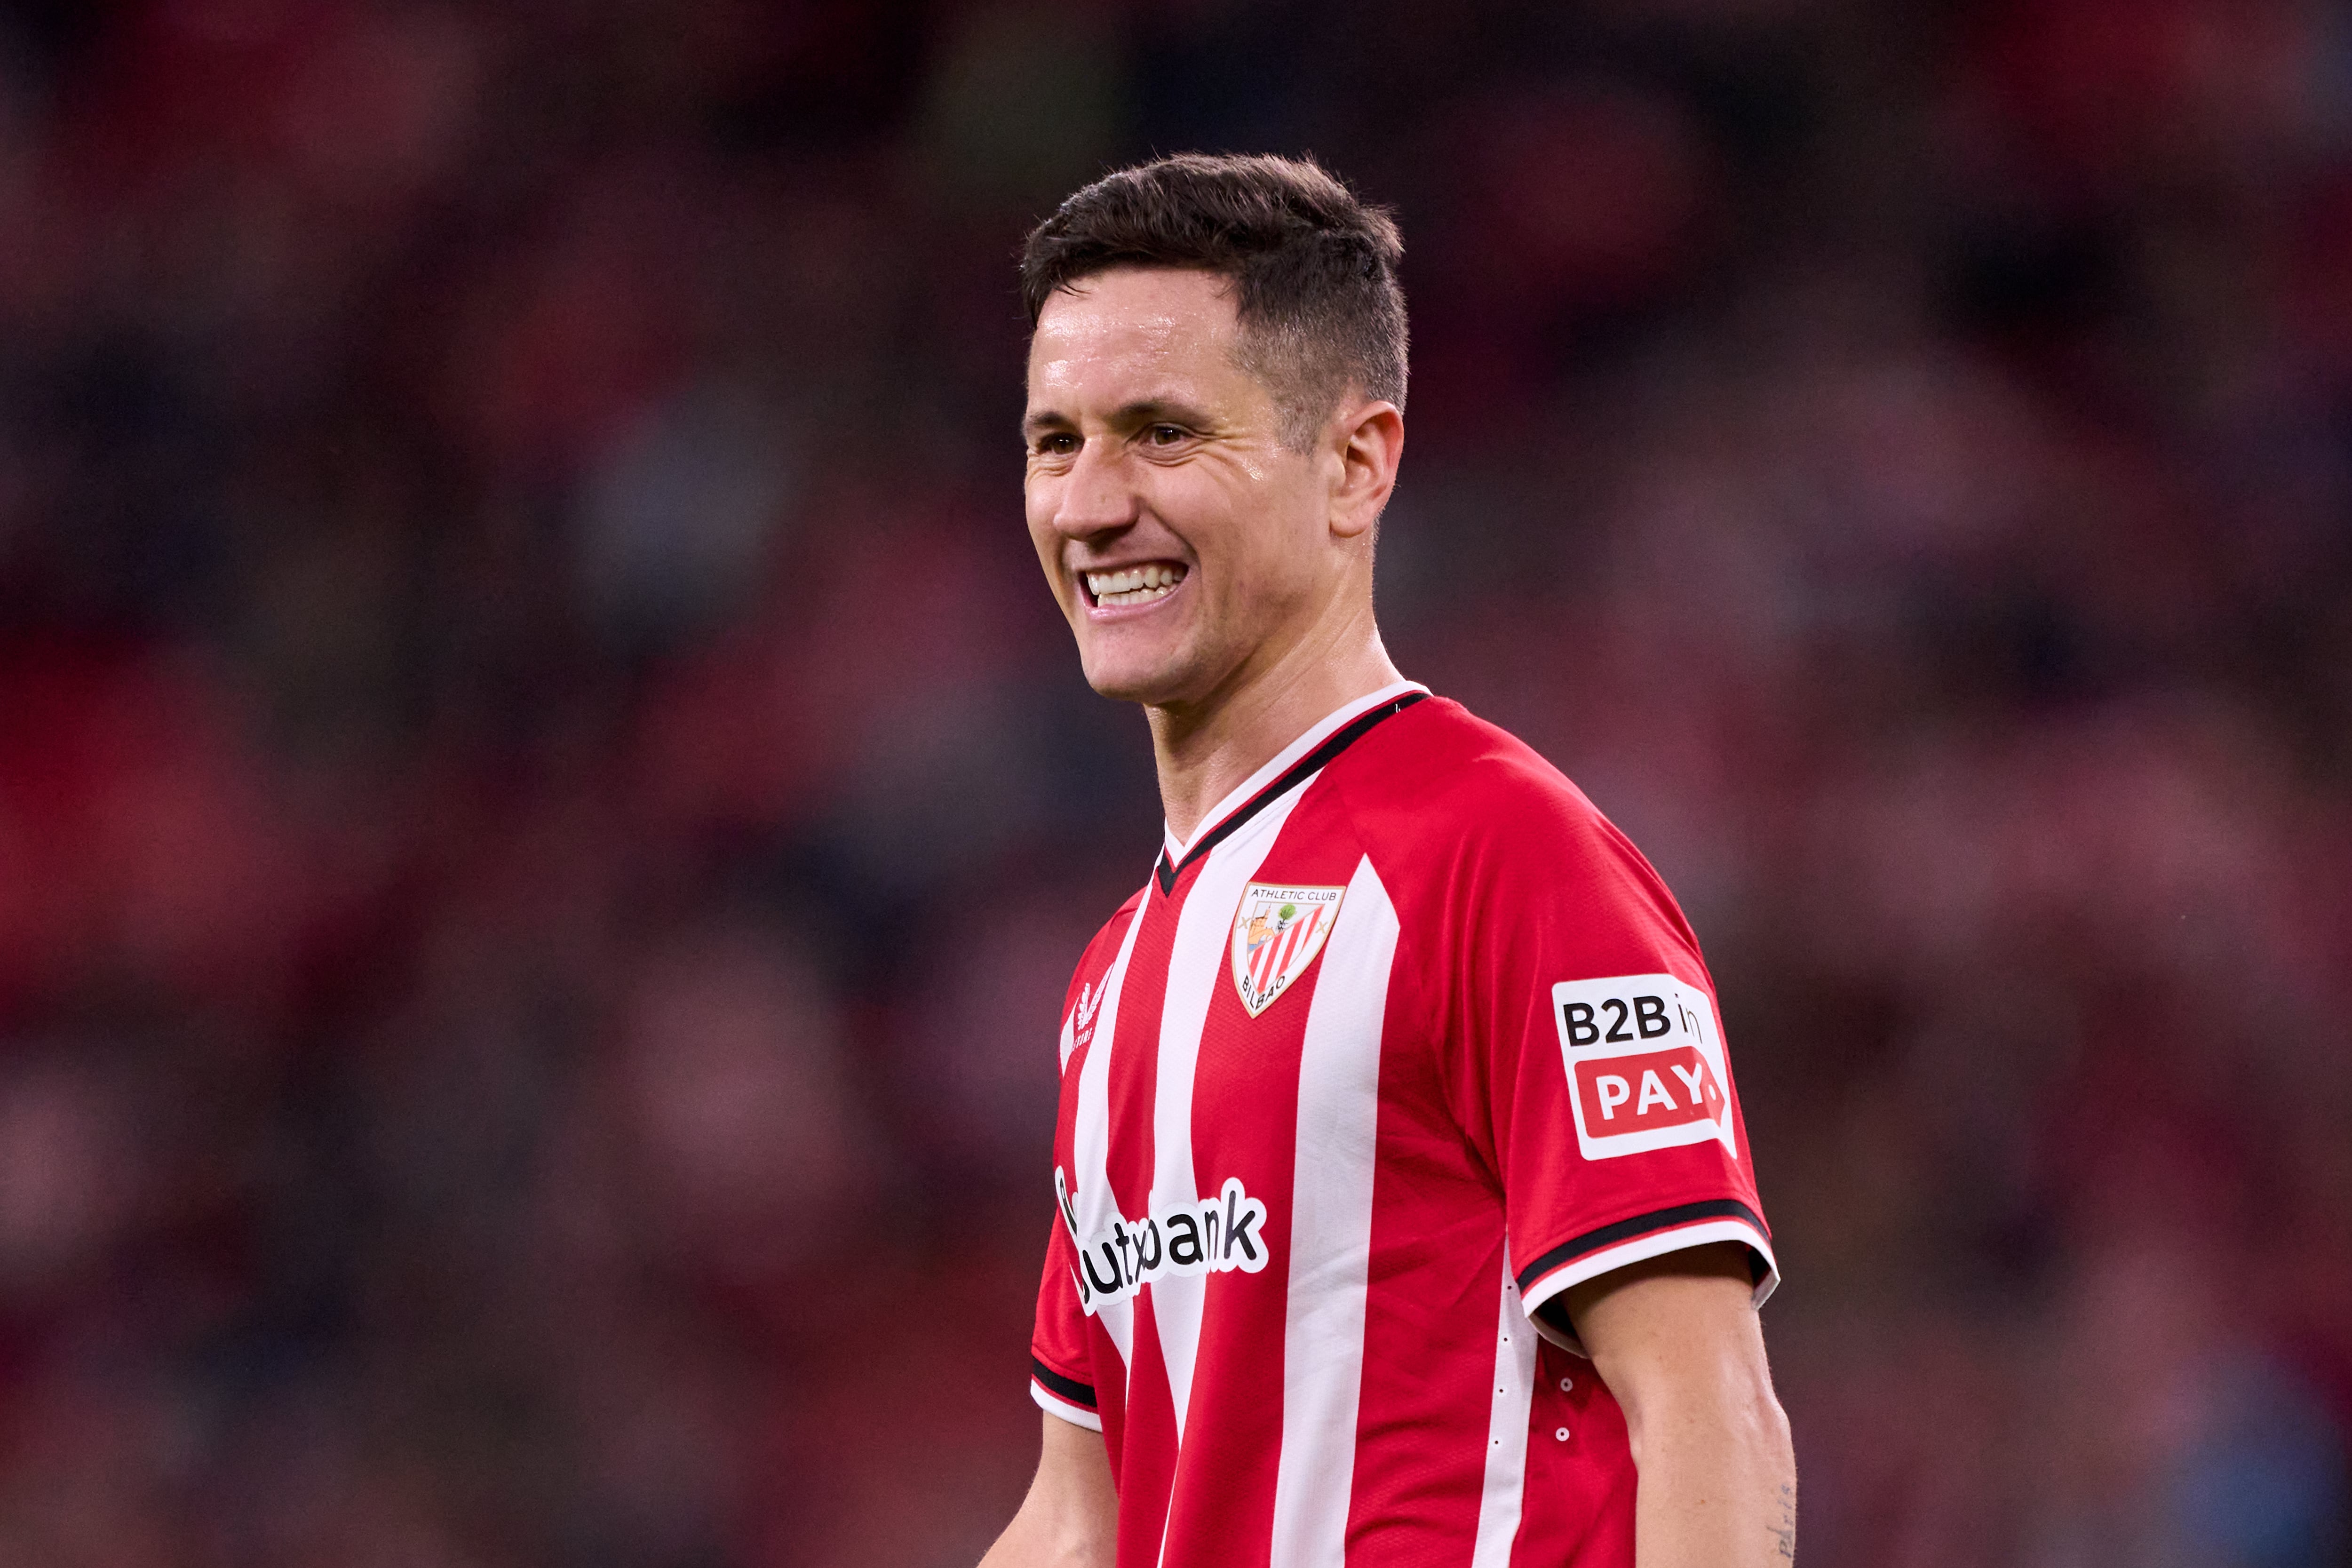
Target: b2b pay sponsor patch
x,y
1644,1065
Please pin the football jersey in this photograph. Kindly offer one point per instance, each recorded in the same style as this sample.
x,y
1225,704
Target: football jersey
x,y
1403,1042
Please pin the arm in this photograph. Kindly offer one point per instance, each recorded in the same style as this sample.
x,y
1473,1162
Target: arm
x,y
1675,1339
1070,1518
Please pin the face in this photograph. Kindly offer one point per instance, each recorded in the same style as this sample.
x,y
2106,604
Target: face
x,y
1185,542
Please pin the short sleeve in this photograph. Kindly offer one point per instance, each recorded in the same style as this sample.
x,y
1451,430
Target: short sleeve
x,y
1060,1378
1061,1358
1596,1062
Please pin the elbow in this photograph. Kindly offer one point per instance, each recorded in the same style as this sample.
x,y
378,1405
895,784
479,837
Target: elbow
x,y
1752,1413
1768,1426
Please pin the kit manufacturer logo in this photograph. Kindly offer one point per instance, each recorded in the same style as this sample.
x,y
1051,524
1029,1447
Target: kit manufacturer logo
x,y
1082,1019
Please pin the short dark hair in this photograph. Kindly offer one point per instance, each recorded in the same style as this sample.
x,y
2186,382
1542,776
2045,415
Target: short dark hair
x,y
1314,267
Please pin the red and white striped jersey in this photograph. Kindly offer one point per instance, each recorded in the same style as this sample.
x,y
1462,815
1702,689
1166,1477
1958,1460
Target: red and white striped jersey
x,y
1404,1042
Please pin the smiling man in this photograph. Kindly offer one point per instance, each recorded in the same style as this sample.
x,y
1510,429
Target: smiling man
x,y
1405,1210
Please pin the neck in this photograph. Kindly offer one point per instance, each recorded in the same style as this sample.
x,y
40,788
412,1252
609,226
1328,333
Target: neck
x,y
1205,750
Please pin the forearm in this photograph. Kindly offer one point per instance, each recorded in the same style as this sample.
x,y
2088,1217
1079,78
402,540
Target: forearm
x,y
1035,1540
1070,1518
1717,1486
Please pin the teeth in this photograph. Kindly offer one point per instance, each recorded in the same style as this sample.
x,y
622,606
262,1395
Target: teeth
x,y
1134,585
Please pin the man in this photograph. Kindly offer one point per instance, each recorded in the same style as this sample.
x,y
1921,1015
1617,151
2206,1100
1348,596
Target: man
x,y
1406,1209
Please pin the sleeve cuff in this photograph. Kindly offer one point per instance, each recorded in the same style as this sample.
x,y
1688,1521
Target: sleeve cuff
x,y
1653,1234
1064,1396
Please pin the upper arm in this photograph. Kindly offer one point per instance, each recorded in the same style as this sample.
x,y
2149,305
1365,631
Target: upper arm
x,y
1678,1336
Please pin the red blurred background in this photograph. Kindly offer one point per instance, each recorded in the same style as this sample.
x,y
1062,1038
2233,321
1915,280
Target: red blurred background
x,y
544,815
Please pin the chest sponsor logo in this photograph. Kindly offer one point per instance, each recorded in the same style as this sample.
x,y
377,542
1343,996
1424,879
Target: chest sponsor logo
x,y
1645,1067
1213,1236
1277,931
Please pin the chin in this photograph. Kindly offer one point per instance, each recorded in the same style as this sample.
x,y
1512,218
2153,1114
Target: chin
x,y
1131,686
1152,683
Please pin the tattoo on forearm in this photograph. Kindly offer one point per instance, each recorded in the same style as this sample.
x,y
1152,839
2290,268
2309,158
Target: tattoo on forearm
x,y
1784,1534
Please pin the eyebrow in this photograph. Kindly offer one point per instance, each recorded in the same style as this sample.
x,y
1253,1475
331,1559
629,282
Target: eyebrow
x,y
1127,417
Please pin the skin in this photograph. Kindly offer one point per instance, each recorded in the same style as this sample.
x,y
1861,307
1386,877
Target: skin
x,y
1677,1340
1149,444
1070,1518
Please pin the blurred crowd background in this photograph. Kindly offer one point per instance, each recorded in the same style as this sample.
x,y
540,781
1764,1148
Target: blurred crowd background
x,y
545,814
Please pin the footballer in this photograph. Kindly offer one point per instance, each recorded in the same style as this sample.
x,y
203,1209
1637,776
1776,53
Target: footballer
x,y
1405,1212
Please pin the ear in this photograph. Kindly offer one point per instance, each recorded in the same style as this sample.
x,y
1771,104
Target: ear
x,y
1368,440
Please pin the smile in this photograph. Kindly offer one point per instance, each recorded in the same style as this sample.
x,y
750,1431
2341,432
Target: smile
x,y
1133,585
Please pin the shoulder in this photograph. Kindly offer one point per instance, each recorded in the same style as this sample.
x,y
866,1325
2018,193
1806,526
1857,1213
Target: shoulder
x,y
1439,779
1438,752
1460,814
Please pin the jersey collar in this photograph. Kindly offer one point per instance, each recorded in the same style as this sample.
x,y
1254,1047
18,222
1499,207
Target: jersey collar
x,y
1322,741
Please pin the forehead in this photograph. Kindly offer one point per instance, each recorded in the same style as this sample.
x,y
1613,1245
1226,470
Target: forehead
x,y
1130,324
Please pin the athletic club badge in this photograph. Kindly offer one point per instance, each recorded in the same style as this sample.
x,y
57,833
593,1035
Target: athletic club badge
x,y
1276,934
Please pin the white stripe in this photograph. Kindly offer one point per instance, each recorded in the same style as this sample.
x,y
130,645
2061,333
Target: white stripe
x,y
1331,1230
1090,1140
1656,1243
1053,1404
1315,735
1198,964
1069,1040
1507,1431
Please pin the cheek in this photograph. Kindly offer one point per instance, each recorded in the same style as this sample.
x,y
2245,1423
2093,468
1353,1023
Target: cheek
x,y
1048,543
1270,536
1037,506
1214,509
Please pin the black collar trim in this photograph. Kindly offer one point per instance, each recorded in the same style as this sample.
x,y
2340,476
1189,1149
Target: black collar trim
x,y
1347,735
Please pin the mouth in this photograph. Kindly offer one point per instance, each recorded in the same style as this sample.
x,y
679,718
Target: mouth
x,y
1124,586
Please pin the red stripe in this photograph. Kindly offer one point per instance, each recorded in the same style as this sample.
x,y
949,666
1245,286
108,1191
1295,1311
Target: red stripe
x,y
1313,921
1269,962
1261,964
1290,941
1148,1447
1134,1078
1297,941
1134,1082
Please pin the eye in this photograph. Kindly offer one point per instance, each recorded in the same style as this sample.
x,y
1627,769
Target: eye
x,y
1164,435
1055,443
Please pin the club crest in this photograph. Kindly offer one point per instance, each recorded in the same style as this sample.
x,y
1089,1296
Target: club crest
x,y
1277,931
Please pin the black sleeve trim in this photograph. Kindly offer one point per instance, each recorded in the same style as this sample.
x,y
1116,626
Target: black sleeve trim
x,y
1640,1225
1054,1382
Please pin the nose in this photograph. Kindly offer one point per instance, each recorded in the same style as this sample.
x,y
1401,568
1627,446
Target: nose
x,y
1096,497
